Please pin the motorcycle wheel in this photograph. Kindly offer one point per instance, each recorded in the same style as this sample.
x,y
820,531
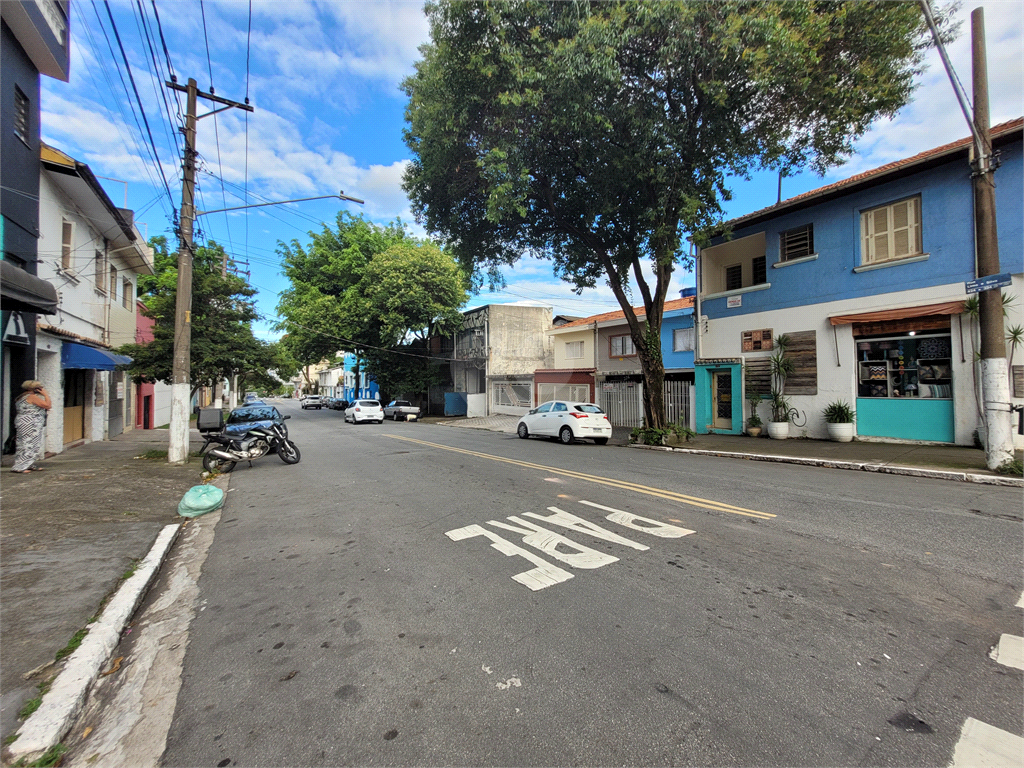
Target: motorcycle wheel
x,y
289,452
213,463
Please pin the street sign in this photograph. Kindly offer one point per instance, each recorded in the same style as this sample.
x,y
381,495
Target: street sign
x,y
987,283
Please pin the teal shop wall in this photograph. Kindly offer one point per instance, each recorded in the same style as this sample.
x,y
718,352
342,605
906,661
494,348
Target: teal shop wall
x,y
906,419
702,385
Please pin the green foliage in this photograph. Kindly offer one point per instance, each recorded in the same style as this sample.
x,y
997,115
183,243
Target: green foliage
x,y
649,435
73,643
780,367
51,757
222,310
839,412
1014,467
373,289
598,134
754,399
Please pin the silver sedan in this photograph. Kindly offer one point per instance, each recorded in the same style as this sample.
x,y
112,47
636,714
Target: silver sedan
x,y
567,421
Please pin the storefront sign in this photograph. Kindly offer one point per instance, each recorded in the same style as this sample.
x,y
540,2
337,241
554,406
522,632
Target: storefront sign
x,y
120,391
987,283
734,301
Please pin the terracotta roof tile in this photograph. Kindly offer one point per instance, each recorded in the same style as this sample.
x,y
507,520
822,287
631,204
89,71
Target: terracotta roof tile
x,y
997,130
620,315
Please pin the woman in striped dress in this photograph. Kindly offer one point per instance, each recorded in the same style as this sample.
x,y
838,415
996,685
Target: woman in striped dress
x,y
30,408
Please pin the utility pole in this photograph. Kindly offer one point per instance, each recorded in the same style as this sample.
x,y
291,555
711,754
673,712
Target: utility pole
x,y
181,383
995,386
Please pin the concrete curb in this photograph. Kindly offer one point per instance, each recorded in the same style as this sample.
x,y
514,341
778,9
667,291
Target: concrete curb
x,y
63,702
888,469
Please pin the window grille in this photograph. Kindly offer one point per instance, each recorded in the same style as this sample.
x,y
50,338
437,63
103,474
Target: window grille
x,y
734,277
796,243
760,273
21,115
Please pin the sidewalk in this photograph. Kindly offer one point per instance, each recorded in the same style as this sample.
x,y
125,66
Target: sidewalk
x,y
68,535
955,459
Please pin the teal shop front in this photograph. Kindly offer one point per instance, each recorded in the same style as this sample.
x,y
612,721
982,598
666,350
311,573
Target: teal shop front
x,y
719,396
905,384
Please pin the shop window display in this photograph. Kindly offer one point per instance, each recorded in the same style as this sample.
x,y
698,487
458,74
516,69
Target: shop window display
x,y
913,366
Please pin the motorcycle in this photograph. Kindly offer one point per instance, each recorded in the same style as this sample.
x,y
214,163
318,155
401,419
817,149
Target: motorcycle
x,y
255,444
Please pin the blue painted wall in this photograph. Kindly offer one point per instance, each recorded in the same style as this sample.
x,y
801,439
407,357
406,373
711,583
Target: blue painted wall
x,y
368,389
947,236
677,318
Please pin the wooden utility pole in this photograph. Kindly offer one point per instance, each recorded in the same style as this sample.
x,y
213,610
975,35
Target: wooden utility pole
x,y
995,386
181,382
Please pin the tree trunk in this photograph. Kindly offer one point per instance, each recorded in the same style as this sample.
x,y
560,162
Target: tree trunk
x,y
653,369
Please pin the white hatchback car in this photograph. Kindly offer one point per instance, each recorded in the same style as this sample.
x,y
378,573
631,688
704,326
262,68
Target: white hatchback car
x,y
567,421
364,410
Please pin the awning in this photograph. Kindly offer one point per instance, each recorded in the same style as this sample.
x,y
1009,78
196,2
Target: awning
x,y
80,356
22,292
946,308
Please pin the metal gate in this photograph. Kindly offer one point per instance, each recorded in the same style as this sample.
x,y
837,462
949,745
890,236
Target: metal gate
x,y
579,393
623,401
677,402
115,404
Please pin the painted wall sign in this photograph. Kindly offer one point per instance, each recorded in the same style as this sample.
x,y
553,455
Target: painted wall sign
x,y
734,301
987,283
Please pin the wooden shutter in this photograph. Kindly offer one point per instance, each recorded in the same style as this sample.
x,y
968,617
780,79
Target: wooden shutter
x,y
67,237
758,376
803,350
1018,381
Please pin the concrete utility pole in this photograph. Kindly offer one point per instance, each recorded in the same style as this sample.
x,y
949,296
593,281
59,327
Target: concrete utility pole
x,y
995,386
181,383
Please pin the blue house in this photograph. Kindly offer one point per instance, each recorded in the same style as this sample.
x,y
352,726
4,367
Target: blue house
x,y
365,388
866,279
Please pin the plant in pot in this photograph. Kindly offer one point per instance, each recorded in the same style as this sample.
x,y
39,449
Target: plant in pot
x,y
754,423
780,368
839,417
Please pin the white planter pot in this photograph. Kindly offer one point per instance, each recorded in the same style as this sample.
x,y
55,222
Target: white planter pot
x,y
840,433
778,430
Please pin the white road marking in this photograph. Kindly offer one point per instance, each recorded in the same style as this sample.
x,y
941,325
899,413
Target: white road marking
x,y
512,682
549,542
984,746
578,524
1009,652
1020,603
486,669
629,520
544,575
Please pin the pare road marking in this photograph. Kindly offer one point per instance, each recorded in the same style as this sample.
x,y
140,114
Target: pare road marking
x,y
660,493
562,548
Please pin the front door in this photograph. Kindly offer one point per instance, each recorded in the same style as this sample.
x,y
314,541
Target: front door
x,y
721,399
74,405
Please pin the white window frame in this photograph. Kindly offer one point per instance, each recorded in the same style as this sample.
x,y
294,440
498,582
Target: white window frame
x,y
626,348
101,272
574,350
67,244
682,340
870,236
128,294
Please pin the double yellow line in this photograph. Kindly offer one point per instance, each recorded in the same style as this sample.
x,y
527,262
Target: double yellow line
x,y
681,498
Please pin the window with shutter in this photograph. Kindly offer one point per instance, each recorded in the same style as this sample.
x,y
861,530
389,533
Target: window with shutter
x,y
891,232
67,244
734,277
101,272
759,268
21,116
113,282
128,295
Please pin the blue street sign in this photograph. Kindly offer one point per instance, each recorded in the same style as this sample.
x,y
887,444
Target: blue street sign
x,y
987,283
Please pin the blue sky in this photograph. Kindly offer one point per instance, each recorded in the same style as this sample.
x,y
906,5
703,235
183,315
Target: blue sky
x,y
324,80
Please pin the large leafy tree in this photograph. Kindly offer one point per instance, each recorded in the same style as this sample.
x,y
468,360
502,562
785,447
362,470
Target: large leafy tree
x,y
372,289
599,135
222,310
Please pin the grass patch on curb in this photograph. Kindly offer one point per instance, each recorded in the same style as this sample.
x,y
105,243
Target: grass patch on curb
x,y
50,757
11,739
127,574
73,643
33,704
1013,467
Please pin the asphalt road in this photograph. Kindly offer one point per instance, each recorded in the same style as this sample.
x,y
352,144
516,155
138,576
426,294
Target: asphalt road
x,y
753,614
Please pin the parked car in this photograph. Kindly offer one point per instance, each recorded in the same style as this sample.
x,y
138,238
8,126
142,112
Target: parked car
x,y
247,417
312,401
567,421
400,410
339,404
364,410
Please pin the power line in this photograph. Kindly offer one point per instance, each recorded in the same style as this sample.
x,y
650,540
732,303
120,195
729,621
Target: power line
x,y
139,99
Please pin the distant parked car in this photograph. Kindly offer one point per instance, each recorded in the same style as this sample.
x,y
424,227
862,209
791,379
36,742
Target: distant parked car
x,y
312,401
567,421
400,410
364,410
339,404
247,417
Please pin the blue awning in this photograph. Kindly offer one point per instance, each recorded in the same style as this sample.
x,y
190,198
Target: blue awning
x,y
81,356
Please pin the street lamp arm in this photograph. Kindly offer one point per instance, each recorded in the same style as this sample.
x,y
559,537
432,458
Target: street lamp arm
x,y
340,196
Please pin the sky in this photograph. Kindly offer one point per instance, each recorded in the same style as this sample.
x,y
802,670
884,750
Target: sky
x,y
324,80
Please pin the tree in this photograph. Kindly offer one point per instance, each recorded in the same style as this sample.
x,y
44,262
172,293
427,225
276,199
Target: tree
x,y
222,339
375,290
598,135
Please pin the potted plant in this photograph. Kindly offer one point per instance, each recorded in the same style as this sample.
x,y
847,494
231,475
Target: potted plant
x,y
839,418
754,423
780,368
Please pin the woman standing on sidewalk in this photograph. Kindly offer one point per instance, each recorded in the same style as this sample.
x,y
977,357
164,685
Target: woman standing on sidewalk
x,y
31,407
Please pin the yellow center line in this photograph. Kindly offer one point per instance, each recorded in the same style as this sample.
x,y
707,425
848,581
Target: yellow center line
x,y
661,493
